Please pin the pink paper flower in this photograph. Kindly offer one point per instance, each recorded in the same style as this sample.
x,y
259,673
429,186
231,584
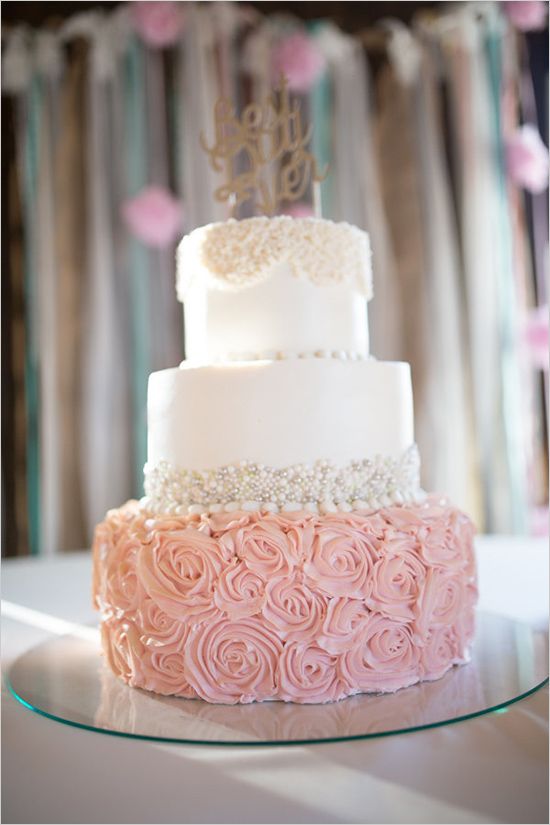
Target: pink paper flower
x,y
540,521
536,337
154,216
298,58
526,15
527,159
299,210
159,24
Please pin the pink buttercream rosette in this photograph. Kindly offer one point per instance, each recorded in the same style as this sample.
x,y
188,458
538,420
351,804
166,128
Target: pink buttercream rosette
x,y
242,607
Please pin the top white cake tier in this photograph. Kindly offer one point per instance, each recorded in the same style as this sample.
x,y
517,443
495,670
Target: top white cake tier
x,y
261,286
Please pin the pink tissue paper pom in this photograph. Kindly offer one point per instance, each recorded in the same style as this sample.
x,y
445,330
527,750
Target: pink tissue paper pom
x,y
540,521
536,337
159,24
527,159
299,210
298,58
154,216
526,15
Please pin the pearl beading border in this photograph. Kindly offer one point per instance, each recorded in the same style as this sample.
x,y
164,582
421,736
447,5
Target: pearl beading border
x,y
367,484
287,355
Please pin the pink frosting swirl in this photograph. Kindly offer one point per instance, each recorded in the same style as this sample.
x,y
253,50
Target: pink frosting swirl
x,y
343,623
240,591
445,537
163,671
465,622
296,611
117,540
442,599
157,628
232,662
397,577
383,658
179,571
342,558
220,523
263,547
240,607
299,528
439,653
123,649
307,673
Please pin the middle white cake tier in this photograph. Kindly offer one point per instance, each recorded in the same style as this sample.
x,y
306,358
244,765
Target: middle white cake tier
x,y
279,413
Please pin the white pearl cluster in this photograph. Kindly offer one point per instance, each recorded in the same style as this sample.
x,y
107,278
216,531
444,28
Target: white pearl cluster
x,y
369,483
234,255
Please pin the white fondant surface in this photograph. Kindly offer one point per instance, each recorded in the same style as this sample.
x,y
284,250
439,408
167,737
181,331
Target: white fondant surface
x,y
279,412
280,313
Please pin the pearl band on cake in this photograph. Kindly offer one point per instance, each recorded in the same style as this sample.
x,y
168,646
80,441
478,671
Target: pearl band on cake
x,y
366,484
288,355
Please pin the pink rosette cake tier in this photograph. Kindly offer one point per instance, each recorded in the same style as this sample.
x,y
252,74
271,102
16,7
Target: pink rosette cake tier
x,y
297,606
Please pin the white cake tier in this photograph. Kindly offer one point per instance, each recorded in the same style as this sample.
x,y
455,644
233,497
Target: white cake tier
x,y
265,285
323,432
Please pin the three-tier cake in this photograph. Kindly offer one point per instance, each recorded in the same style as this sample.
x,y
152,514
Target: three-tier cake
x,y
284,548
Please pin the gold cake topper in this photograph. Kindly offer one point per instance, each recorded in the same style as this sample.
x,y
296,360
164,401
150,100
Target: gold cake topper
x,y
269,146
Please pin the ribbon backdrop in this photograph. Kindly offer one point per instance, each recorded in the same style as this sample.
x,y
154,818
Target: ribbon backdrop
x,y
104,173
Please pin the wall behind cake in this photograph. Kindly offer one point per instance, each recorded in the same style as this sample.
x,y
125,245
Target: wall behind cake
x,y
431,120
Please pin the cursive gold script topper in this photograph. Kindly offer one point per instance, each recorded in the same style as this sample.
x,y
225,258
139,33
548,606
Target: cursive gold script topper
x,y
269,146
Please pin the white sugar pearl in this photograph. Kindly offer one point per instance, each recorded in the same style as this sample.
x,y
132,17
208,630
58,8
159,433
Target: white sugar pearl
x,y
344,507
270,507
327,507
250,505
196,509
231,506
311,506
291,507
215,508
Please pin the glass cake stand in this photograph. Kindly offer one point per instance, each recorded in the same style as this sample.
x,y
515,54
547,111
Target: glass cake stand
x,y
66,680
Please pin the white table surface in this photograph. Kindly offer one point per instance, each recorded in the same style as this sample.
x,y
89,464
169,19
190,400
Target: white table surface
x,y
490,769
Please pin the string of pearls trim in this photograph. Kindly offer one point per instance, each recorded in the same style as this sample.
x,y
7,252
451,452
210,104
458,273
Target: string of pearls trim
x,y
367,484
288,355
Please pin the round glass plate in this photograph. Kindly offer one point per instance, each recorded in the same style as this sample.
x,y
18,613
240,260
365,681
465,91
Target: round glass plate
x,y
65,679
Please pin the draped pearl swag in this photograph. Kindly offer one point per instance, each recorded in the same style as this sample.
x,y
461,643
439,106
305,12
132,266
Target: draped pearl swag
x,y
413,129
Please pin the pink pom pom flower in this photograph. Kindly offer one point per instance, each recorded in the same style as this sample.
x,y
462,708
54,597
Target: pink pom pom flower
x,y
298,58
159,24
299,210
537,338
527,159
526,15
154,216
